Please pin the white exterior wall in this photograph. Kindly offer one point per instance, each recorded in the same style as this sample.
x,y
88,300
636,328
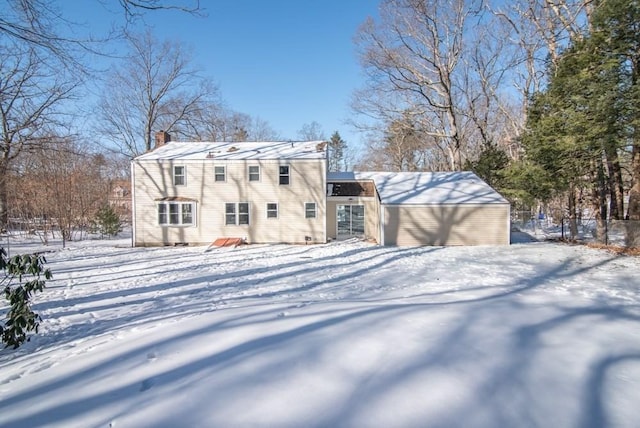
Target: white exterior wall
x,y
371,215
446,225
153,180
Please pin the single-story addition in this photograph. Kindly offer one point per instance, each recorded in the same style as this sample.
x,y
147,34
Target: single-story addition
x,y
280,192
418,208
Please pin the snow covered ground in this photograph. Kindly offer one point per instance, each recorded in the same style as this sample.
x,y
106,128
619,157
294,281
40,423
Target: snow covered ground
x,y
346,334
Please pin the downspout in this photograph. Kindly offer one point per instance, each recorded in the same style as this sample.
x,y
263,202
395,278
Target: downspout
x,y
381,209
508,224
324,191
133,205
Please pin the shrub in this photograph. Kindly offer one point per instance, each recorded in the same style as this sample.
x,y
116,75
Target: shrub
x,y
21,319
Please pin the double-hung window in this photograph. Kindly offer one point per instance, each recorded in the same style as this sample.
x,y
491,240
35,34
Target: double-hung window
x,y
236,213
272,210
310,210
254,173
179,175
220,173
285,177
176,213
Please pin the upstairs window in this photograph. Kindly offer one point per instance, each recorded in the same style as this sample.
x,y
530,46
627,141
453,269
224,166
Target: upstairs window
x,y
284,175
236,213
254,173
310,210
220,173
176,213
272,210
179,175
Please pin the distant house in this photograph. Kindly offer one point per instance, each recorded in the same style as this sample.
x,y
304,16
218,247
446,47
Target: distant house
x,y
120,199
280,192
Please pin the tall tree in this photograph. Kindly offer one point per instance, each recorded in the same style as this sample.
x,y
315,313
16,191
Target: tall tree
x,y
32,100
311,132
337,152
412,57
41,25
154,88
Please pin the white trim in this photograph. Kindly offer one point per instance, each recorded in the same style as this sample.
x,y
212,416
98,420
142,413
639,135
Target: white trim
x,y
224,174
184,174
277,211
236,214
180,213
315,210
259,173
382,211
280,165
133,204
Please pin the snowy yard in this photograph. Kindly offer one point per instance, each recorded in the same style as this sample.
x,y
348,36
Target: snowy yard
x,y
338,335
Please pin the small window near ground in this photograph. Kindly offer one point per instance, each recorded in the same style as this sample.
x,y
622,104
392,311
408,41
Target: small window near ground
x,y
254,173
310,210
272,210
284,175
179,175
176,213
220,173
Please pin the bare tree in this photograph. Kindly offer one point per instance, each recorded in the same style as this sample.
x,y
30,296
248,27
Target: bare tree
x,y
154,88
41,25
32,99
411,58
311,132
539,30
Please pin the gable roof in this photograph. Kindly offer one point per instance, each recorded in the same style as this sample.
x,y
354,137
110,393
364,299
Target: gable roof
x,y
179,150
427,188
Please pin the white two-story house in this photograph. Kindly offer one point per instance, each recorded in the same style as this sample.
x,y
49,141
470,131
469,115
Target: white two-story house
x,y
194,193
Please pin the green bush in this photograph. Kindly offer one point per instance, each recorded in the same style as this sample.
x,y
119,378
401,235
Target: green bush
x,y
20,319
107,221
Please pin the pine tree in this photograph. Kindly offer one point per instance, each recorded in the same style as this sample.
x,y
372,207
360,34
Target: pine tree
x,y
108,221
337,148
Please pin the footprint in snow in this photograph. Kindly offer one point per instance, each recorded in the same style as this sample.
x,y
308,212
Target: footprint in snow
x,y
146,384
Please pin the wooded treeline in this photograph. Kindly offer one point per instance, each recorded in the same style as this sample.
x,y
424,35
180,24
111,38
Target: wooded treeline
x,y
68,130
539,97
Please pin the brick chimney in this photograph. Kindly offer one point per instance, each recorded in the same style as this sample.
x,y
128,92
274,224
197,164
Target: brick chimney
x,y
162,138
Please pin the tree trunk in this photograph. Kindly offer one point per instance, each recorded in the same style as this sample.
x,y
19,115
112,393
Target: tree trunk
x,y
4,197
633,211
600,204
573,223
616,185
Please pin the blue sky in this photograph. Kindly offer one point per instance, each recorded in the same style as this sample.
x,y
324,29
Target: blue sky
x,y
287,62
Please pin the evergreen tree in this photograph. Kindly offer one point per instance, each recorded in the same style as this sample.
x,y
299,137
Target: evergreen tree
x,y
578,125
108,221
490,166
337,148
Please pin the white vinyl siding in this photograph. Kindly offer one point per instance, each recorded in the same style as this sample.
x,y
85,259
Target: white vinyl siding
x,y
210,197
447,225
179,175
176,213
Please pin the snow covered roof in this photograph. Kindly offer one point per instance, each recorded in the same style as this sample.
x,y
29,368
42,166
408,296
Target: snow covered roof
x,y
427,188
179,150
